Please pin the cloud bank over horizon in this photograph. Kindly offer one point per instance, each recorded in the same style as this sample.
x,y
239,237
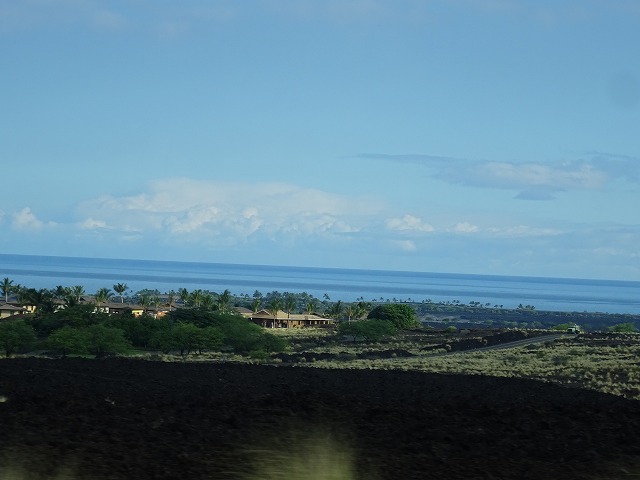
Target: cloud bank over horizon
x,y
228,216
187,207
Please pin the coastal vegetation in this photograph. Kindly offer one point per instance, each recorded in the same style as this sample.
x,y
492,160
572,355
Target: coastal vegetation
x,y
446,337
80,330
427,311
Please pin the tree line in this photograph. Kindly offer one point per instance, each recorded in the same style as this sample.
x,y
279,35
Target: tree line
x,y
201,325
80,329
51,299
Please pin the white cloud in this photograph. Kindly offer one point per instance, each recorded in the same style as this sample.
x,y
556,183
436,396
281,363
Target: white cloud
x,y
183,211
408,223
527,176
25,219
229,212
465,227
313,224
194,219
406,245
523,231
534,180
92,224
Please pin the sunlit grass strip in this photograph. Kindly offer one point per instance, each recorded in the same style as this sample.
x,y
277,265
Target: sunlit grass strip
x,y
614,370
605,369
302,333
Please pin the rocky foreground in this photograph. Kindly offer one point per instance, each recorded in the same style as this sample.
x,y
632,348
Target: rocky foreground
x,y
125,419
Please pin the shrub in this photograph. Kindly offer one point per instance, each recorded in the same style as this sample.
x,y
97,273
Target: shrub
x,y
628,327
187,338
236,332
371,330
401,315
141,331
103,340
272,343
258,355
68,340
15,336
242,335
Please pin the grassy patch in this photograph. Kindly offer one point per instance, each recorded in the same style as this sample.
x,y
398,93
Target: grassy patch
x,y
603,363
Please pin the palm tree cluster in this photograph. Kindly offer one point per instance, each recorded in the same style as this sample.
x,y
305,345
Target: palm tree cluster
x,y
274,302
352,311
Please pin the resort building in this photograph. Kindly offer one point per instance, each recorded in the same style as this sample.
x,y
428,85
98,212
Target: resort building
x,y
286,320
9,310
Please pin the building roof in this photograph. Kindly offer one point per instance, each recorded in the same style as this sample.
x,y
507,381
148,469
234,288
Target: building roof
x,y
243,311
8,307
282,315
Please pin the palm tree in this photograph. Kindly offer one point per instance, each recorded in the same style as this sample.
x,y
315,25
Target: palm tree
x,y
335,311
74,294
273,308
363,309
183,294
311,306
195,298
60,292
6,287
103,295
207,301
289,304
145,301
120,288
155,300
223,301
256,304
41,300
171,297
351,311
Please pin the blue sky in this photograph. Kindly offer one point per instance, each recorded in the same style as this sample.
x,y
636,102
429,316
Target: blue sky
x,y
470,136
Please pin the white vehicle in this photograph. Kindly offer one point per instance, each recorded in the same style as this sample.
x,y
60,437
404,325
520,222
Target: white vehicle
x,y
574,329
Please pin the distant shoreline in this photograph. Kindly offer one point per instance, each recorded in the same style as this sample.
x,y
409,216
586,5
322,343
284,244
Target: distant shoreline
x,y
610,296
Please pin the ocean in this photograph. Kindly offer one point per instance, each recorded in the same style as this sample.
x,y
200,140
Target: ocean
x,y
559,294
